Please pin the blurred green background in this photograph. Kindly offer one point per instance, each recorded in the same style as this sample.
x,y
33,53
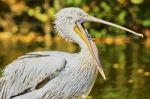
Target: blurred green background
x,y
27,25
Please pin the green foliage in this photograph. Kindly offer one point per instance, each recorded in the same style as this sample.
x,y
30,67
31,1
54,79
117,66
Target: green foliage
x,y
120,61
133,14
136,1
36,13
146,22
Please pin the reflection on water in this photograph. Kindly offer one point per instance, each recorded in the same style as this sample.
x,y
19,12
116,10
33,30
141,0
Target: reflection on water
x,y
126,67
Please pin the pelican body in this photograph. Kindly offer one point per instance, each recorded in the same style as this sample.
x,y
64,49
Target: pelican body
x,y
54,74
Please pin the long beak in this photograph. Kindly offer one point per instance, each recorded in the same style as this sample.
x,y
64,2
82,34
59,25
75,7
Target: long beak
x,y
93,19
81,32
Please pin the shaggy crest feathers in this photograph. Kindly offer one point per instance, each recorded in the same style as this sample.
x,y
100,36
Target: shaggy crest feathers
x,y
67,17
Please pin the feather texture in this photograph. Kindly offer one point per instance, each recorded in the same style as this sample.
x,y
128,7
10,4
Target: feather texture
x,y
25,73
53,74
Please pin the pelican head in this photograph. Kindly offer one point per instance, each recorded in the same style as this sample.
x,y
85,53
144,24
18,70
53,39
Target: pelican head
x,y
68,23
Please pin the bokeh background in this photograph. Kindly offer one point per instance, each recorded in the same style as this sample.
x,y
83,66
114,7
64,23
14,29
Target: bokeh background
x,y
27,25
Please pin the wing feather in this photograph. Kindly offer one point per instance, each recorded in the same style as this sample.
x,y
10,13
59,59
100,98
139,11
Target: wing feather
x,y
28,73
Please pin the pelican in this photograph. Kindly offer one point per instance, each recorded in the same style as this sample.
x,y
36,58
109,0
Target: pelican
x,y
54,74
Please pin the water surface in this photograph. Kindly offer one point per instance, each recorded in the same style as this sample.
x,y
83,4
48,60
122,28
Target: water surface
x,y
126,66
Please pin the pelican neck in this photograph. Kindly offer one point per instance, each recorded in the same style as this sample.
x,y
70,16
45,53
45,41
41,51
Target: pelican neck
x,y
84,50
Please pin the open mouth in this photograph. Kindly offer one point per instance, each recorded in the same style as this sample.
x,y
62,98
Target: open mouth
x,y
82,24
83,34
85,30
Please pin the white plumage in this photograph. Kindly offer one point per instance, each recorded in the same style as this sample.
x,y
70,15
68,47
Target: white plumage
x,y
54,74
57,66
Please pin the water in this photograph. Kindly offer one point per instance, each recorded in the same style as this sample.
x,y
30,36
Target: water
x,y
126,66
